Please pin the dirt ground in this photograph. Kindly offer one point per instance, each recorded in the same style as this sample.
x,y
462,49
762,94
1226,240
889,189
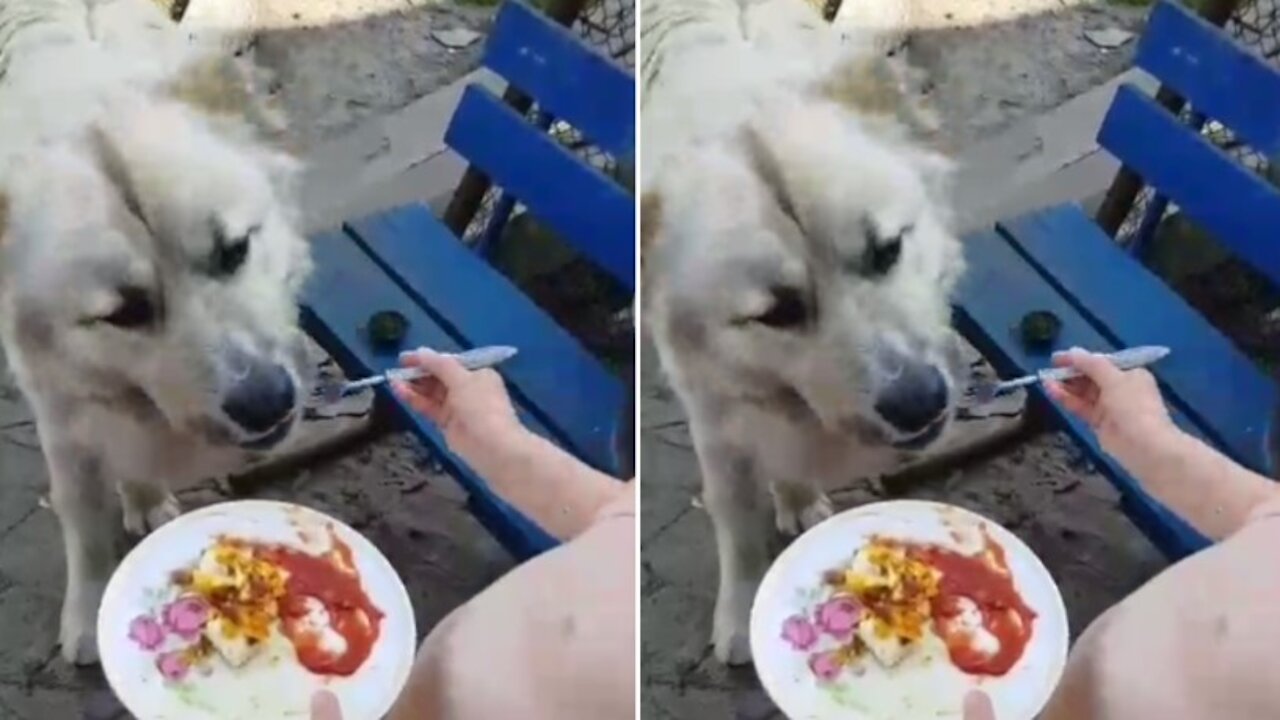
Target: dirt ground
x,y
989,63
337,62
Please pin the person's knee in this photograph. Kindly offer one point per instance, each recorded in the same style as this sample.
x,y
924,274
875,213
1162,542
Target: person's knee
x,y
426,693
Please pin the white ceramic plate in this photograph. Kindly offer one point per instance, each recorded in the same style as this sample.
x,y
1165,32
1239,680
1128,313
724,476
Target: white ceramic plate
x,y
926,684
272,685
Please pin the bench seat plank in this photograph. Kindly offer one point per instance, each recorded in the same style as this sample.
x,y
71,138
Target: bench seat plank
x,y
997,289
1206,376
566,387
347,287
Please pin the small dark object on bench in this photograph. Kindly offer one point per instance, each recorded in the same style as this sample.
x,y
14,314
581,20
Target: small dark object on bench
x,y
1039,329
405,262
387,328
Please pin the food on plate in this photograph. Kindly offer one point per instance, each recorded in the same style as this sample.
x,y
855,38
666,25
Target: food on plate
x,y
894,594
243,592
895,589
241,595
325,613
979,612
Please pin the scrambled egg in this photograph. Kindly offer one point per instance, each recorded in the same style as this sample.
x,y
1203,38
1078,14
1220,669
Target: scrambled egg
x,y
244,592
896,590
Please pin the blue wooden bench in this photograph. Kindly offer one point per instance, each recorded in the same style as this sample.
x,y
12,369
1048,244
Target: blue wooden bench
x,y
1059,260
405,260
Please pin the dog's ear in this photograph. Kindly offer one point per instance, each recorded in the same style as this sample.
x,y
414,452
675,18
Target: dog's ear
x,y
865,85
880,90
4,216
227,89
284,171
112,161
791,180
650,219
650,227
765,162
936,169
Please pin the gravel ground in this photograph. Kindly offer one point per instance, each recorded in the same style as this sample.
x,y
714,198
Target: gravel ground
x,y
989,63
338,62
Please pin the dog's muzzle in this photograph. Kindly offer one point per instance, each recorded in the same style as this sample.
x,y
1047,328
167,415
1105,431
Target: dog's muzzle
x,y
915,405
262,404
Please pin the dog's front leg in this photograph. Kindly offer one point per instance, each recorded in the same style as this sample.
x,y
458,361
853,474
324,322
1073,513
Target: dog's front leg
x,y
736,499
147,505
81,497
799,505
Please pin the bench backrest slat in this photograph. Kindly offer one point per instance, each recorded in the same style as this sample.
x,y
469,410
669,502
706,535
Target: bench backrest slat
x,y
572,80
1223,82
575,84
1230,201
585,207
1218,76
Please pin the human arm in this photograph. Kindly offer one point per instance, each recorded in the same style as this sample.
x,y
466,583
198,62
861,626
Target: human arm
x,y
558,491
473,411
1212,492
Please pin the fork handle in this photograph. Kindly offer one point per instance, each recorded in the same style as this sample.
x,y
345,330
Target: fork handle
x,y
1126,359
474,359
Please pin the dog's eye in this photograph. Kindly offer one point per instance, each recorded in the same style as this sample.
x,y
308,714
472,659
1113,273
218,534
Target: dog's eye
x,y
135,310
883,253
229,253
787,311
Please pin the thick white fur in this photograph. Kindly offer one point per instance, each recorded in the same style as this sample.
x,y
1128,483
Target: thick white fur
x,y
121,144
770,146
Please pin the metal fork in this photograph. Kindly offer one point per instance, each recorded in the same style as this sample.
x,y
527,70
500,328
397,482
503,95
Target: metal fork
x,y
475,359
1128,359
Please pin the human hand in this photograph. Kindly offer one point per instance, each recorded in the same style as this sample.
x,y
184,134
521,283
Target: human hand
x,y
977,706
1124,408
324,706
472,409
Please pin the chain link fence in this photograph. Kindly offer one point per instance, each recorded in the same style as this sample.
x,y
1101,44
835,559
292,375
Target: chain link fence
x,y
1256,24
581,297
608,25
1239,301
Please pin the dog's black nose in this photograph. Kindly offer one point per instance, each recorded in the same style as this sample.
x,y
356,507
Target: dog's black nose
x,y
263,398
915,399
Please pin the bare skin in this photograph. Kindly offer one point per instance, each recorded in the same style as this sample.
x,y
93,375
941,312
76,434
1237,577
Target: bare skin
x,y
1133,426
559,630
977,706
1197,641
473,411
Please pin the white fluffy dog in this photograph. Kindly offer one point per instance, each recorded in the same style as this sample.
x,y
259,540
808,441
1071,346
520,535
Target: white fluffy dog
x,y
148,268
797,265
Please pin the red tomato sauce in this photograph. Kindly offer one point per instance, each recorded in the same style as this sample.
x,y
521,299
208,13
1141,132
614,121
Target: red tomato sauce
x,y
1004,613
334,581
